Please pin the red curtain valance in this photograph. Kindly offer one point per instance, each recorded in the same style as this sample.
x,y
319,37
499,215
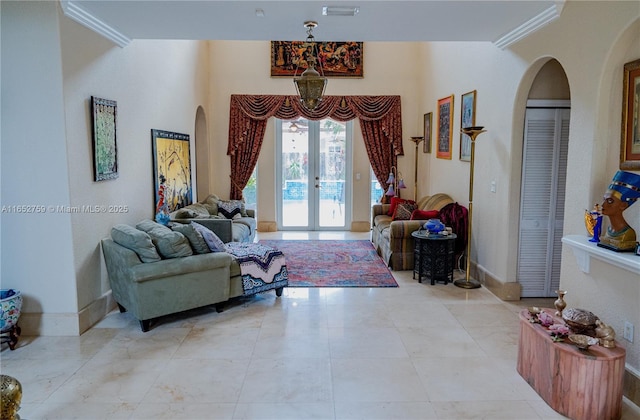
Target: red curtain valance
x,y
380,119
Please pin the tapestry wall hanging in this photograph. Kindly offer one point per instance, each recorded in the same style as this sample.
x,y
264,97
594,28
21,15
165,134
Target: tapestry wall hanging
x,y
445,127
105,151
467,119
171,170
338,59
630,143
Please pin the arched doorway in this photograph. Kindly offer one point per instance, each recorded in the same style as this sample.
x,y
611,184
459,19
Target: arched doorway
x,y
543,182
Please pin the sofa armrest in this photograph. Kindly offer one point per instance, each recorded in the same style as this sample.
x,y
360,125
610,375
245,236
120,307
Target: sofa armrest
x,y
404,228
377,210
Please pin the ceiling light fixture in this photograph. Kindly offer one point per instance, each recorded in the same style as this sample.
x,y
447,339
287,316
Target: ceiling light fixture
x,y
311,84
340,10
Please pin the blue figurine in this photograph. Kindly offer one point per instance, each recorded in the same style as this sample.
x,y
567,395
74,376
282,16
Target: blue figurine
x,y
595,222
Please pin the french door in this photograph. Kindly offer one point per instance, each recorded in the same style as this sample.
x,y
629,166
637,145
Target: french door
x,y
313,159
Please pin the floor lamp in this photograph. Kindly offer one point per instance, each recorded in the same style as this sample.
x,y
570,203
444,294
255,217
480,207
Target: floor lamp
x,y
469,283
417,141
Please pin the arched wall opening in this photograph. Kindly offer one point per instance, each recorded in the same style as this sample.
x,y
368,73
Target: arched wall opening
x,y
544,84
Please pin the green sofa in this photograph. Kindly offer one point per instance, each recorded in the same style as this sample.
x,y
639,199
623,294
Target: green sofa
x,y
149,286
229,219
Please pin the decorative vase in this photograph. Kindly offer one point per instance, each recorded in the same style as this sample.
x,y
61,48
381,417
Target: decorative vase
x,y
560,304
434,226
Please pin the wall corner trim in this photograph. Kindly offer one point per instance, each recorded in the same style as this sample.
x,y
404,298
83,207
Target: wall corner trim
x,y
543,18
83,17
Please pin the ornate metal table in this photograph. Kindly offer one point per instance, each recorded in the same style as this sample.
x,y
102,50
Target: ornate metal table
x,y
434,256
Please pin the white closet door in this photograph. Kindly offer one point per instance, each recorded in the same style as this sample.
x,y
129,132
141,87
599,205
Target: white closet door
x,y
542,200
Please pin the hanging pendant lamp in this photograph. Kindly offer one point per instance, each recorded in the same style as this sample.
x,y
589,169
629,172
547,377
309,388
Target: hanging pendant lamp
x,y
310,85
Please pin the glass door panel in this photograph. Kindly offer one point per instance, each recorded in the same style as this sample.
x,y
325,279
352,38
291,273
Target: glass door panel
x,y
294,174
331,170
313,159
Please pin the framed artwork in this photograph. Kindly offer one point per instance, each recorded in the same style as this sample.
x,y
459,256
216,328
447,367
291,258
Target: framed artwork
x,y
630,142
105,150
171,170
467,119
338,59
426,146
445,127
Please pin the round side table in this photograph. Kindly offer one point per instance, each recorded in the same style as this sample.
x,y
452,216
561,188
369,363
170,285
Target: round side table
x,y
434,256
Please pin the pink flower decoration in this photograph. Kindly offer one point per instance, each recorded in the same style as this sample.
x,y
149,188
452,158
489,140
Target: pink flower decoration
x,y
545,319
559,329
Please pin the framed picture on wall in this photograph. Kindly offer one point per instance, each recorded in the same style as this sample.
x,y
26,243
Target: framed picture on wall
x,y
105,150
445,127
338,59
467,119
171,170
630,142
426,147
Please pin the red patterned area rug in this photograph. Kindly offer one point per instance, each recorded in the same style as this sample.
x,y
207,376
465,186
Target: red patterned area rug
x,y
330,263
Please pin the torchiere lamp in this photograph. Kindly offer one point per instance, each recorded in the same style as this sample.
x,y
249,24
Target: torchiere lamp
x,y
470,283
417,141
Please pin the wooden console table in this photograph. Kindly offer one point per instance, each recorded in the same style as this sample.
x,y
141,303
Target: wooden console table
x,y
579,384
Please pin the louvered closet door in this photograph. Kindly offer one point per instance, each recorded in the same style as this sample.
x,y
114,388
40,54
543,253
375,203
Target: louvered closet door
x,y
542,201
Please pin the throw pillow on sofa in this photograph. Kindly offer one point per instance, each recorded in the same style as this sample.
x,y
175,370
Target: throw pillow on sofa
x,y
403,211
135,240
232,209
211,204
195,238
214,243
424,214
394,203
170,244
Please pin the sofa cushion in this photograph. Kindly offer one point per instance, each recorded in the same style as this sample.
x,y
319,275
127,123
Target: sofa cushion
x,y
135,240
424,214
170,244
196,240
192,211
240,232
211,204
214,243
232,209
394,203
435,202
403,211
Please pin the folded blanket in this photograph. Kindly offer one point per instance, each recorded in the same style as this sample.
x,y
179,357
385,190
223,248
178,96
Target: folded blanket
x,y
261,267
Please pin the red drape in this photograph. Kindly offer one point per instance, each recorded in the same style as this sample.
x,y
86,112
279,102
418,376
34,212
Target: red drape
x,y
380,120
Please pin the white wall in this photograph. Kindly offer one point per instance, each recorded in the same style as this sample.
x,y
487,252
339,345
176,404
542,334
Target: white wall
x,y
51,68
241,67
593,60
37,251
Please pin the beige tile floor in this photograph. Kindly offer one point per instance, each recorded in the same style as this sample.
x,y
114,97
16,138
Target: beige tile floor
x,y
413,352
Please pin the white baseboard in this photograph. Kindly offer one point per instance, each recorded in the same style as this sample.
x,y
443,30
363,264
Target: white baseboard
x,y
66,324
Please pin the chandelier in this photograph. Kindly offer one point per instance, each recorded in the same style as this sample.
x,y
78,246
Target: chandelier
x,y
310,85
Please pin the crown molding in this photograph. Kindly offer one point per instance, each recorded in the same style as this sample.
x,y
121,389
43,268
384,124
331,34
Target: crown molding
x,y
80,15
546,16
